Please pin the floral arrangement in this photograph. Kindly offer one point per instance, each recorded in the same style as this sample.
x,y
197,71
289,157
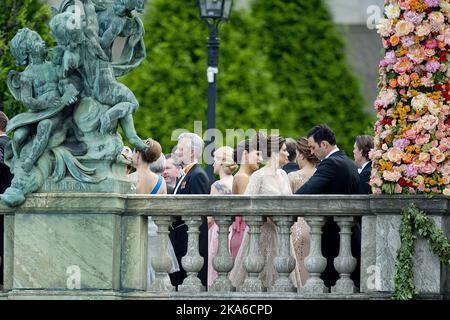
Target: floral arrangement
x,y
412,131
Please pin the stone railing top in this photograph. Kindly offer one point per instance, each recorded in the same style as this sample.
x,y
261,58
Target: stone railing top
x,y
298,205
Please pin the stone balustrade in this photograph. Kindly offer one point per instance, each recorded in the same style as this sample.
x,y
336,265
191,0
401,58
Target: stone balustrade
x,y
95,246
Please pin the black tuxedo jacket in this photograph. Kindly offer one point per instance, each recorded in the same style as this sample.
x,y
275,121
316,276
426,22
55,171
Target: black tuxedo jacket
x,y
195,182
364,177
5,177
336,174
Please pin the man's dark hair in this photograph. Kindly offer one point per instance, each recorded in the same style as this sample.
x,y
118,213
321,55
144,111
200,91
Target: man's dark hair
x,y
364,144
291,147
3,121
322,132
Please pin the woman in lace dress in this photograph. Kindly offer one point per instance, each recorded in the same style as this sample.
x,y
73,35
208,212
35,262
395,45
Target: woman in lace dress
x,y
224,166
269,180
248,156
300,238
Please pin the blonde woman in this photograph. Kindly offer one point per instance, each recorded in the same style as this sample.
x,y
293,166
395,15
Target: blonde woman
x,y
224,166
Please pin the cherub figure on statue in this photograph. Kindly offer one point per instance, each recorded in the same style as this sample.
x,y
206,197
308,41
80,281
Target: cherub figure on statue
x,y
39,89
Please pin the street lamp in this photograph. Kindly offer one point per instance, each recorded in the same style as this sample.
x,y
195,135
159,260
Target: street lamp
x,y
213,12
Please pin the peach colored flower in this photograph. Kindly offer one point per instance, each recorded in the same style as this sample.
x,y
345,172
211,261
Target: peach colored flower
x,y
404,4
435,151
376,181
403,80
395,155
393,83
393,176
439,158
424,157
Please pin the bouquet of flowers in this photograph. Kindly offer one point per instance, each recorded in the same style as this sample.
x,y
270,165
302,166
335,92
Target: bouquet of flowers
x,y
412,131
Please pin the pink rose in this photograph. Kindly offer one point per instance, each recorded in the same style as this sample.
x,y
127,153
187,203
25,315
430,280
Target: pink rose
x,y
376,190
424,157
376,181
416,54
398,189
403,65
392,176
439,158
427,168
404,4
422,139
403,80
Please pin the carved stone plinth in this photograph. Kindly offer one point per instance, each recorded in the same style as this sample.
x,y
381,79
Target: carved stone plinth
x,y
284,263
254,262
223,261
344,263
315,262
192,262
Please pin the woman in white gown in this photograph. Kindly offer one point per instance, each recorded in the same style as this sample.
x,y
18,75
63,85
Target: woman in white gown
x,y
300,236
269,180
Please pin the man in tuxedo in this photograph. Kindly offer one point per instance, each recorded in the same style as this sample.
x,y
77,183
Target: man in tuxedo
x,y
291,148
171,173
193,180
363,145
336,174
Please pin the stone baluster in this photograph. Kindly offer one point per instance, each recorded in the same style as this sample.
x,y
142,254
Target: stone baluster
x,y
223,261
284,263
192,262
254,262
315,262
161,262
344,263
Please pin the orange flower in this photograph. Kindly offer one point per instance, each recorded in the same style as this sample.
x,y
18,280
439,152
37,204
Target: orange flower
x,y
393,83
394,40
407,158
414,76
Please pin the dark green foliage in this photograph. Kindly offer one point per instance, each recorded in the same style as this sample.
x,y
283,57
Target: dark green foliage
x,y
16,14
171,84
307,59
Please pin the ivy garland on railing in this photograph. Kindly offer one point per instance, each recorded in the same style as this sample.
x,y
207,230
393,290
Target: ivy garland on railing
x,y
415,223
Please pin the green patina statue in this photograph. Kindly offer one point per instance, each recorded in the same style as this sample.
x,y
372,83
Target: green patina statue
x,y
74,101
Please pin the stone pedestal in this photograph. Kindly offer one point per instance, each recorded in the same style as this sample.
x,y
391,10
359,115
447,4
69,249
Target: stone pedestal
x,y
75,242
427,267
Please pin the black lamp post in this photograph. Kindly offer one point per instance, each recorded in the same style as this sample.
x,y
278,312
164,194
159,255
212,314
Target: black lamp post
x,y
213,12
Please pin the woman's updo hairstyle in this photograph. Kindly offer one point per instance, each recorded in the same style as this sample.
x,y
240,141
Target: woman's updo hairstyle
x,y
304,149
153,152
224,155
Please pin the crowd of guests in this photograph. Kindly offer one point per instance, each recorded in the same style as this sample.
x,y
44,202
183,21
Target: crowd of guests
x,y
266,165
